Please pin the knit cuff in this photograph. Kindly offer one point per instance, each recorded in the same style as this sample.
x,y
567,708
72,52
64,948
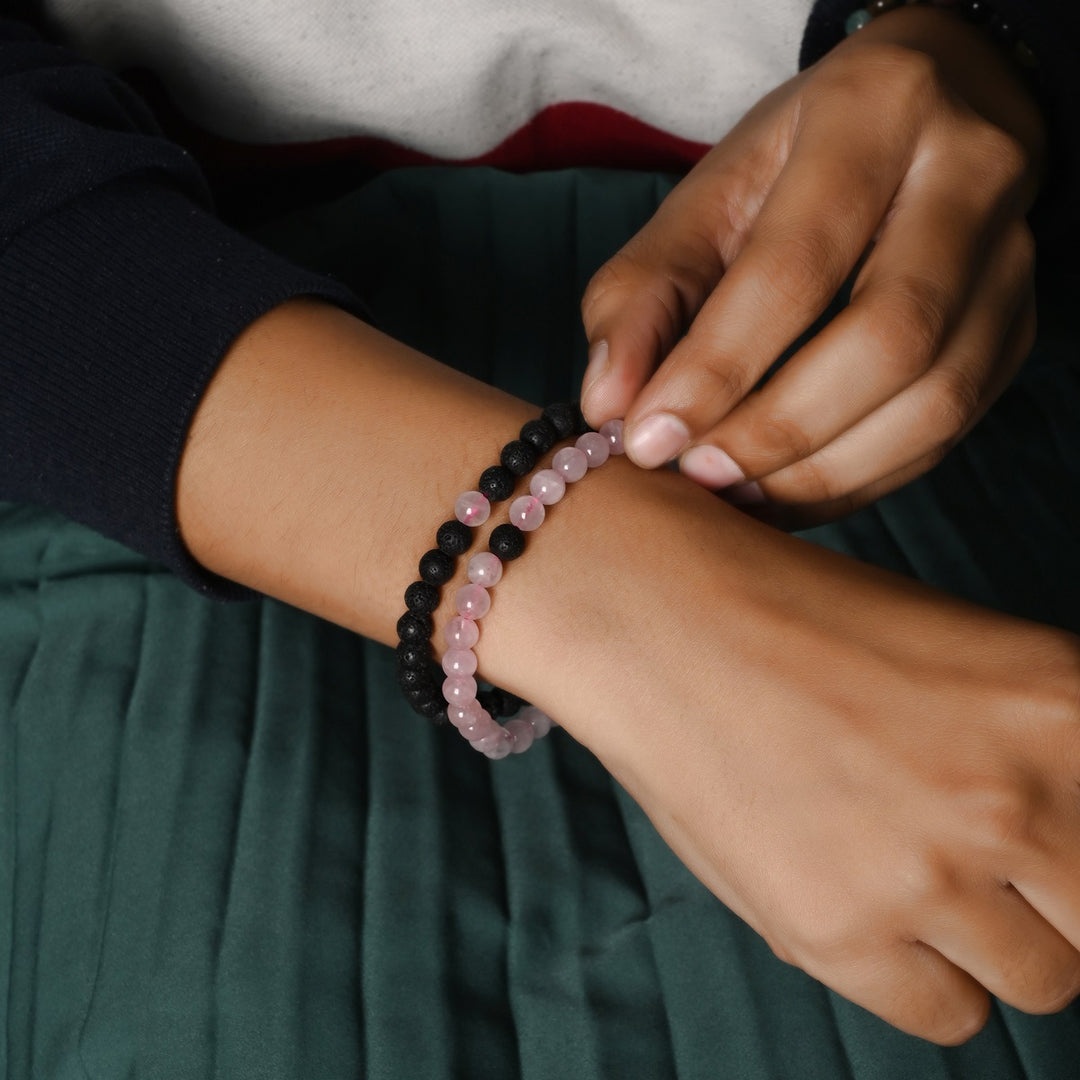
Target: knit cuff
x,y
115,311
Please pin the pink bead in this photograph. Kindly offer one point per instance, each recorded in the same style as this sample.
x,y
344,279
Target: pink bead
x,y
481,727
595,447
613,432
527,513
472,508
540,722
459,662
472,601
521,732
488,741
461,633
468,712
500,750
457,689
571,463
484,569
548,486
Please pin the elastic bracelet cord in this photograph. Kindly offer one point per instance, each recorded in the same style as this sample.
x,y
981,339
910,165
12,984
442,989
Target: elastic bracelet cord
x,y
975,11
465,709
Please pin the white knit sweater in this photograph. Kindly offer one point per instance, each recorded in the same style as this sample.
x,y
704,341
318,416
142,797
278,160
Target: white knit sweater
x,y
450,79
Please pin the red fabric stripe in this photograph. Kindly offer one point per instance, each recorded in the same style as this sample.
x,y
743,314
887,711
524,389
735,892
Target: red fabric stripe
x,y
560,136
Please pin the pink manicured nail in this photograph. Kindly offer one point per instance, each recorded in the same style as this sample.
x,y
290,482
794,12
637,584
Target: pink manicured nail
x,y
597,369
745,494
711,467
656,439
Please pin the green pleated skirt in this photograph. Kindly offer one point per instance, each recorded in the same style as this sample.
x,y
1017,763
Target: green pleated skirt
x,y
229,850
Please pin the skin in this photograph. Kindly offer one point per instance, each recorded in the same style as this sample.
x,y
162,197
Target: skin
x,y
880,779
910,155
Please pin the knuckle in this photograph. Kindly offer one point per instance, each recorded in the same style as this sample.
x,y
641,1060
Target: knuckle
x,y
952,406
1050,994
999,813
613,275
810,481
803,270
1003,157
782,439
910,323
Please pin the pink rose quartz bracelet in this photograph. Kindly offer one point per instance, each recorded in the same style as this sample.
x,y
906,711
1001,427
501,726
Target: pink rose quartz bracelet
x,y
484,571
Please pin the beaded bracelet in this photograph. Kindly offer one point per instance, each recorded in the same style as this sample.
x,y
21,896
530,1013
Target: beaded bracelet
x,y
976,11
473,601
454,537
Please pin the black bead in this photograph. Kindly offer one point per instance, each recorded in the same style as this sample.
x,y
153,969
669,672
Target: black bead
x,y
435,711
499,702
506,541
436,567
497,483
519,457
975,10
413,628
563,419
539,434
879,7
1002,30
413,654
454,537
415,679
421,598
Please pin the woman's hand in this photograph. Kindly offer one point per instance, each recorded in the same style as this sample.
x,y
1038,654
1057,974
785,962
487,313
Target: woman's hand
x,y
883,781
912,149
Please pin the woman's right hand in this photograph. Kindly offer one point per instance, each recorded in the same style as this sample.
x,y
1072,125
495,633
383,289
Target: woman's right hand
x,y
882,780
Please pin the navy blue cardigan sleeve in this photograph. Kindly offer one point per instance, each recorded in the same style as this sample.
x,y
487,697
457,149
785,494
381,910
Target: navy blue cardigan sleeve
x,y
120,292
1051,29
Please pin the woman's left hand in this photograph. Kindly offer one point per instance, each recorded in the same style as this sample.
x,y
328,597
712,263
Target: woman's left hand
x,y
913,148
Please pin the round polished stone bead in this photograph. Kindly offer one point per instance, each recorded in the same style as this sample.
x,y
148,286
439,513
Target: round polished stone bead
x,y
501,749
459,662
1001,30
879,7
563,418
461,716
484,569
539,434
461,633
453,537
481,727
519,457
548,486
413,628
472,601
975,10
857,20
521,733
472,508
595,447
506,541
527,513
436,567
457,689
421,598
571,463
497,483
540,721
485,742
612,430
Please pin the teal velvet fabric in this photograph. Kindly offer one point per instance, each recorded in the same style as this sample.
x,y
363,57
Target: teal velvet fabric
x,y
228,850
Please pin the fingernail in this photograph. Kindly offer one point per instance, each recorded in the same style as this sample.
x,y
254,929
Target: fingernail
x,y
711,467
656,439
744,494
598,365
